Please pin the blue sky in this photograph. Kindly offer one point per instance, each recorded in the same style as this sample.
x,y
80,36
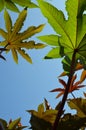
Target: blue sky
x,y
24,86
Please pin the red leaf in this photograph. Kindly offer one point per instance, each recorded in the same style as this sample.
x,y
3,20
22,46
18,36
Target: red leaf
x,y
73,86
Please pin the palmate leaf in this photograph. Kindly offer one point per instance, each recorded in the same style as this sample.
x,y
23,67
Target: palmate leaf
x,y
79,105
15,40
72,122
50,39
73,86
39,124
11,125
72,31
48,115
11,4
14,123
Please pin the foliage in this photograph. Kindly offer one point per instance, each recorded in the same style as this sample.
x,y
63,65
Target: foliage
x,y
73,86
69,44
11,4
15,40
12,125
67,121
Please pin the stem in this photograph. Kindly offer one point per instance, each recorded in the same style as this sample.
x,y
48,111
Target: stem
x,y
55,126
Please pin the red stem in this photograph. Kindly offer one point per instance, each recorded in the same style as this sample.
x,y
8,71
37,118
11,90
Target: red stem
x,y
56,123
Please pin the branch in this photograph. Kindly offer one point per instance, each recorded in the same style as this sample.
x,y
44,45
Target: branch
x,y
72,68
1,50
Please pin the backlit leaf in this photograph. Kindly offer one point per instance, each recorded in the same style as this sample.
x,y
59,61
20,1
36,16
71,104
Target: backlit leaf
x,y
49,39
72,31
25,3
79,66
31,31
13,124
2,5
10,5
15,56
47,115
83,76
54,53
73,86
41,109
8,22
19,22
15,40
25,55
79,105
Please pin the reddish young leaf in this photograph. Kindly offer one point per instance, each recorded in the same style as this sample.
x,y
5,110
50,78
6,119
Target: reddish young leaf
x,y
73,86
83,76
79,66
84,94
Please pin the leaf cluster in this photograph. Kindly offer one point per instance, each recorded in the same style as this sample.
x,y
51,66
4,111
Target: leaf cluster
x,y
12,125
12,4
69,43
16,41
67,121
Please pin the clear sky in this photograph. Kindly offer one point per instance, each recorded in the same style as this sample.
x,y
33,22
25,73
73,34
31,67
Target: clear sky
x,y
24,86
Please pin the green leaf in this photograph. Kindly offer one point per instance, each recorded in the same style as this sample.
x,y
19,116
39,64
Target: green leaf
x,y
71,122
56,19
19,22
72,31
25,3
3,123
16,41
48,115
39,124
31,31
8,22
13,124
25,55
15,55
49,39
39,46
10,5
41,109
3,33
54,53
2,5
79,105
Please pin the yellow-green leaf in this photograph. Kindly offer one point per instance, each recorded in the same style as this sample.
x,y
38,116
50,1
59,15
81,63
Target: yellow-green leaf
x,y
19,22
16,41
79,105
8,22
41,109
13,124
10,5
54,53
1,5
49,39
3,33
15,55
25,3
31,31
83,76
25,55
